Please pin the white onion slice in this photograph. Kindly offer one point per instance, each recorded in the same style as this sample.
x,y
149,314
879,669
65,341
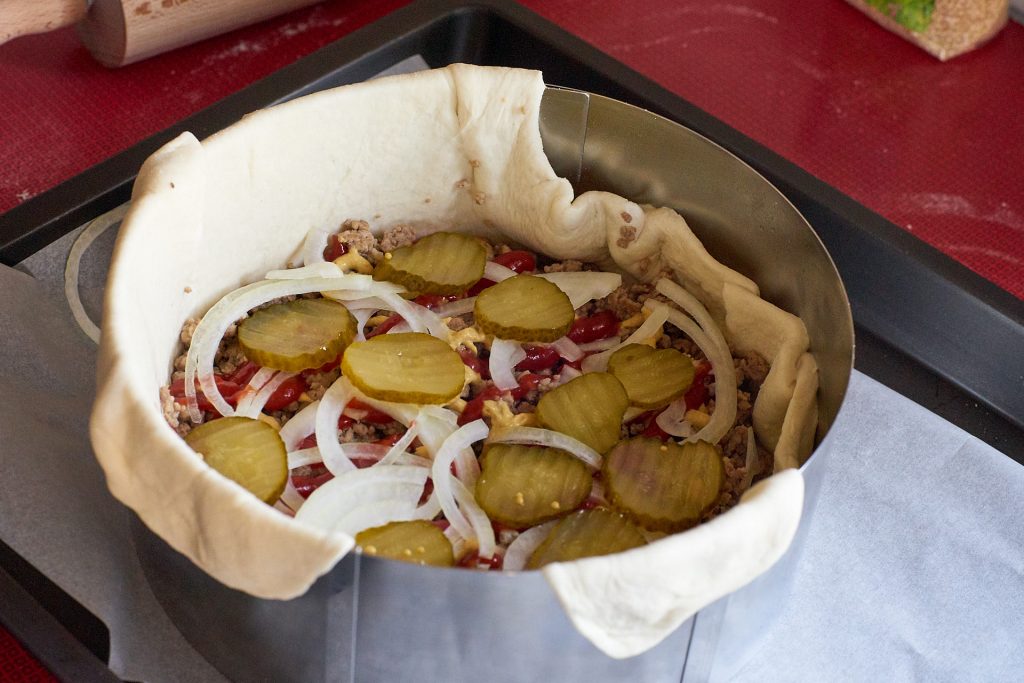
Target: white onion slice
x,y
585,285
717,351
401,412
435,425
460,544
495,272
597,494
302,424
478,519
519,550
566,374
364,451
567,349
599,344
374,289
548,437
361,315
84,240
672,419
420,318
291,497
303,457
324,269
262,376
599,361
400,327
748,476
257,402
349,491
377,513
457,307
444,482
332,405
313,246
210,330
384,512
505,355
401,445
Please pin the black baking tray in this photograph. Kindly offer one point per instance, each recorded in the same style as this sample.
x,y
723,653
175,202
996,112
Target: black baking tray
x,y
926,326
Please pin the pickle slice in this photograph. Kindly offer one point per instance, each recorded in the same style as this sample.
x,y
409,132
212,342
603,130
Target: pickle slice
x,y
524,308
521,486
249,452
297,335
407,367
417,541
589,409
663,486
441,263
586,533
652,378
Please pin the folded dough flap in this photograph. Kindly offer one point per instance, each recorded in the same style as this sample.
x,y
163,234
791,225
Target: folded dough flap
x,y
753,324
210,519
629,602
473,161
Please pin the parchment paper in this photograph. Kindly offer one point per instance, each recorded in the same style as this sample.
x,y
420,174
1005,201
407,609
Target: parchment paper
x,y
913,569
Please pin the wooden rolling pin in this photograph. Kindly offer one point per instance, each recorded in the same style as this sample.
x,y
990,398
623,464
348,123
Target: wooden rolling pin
x,y
119,32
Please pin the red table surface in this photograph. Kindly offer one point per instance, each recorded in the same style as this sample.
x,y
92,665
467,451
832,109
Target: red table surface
x,y
934,147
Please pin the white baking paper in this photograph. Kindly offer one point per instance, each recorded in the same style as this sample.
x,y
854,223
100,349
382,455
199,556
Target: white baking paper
x,y
913,568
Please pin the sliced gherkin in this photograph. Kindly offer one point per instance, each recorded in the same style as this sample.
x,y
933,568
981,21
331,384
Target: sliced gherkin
x,y
441,263
407,367
297,335
417,541
586,533
663,486
589,409
249,452
653,378
524,308
522,486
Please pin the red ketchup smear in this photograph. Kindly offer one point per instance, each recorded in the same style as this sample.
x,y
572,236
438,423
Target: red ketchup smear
x,y
474,408
601,325
306,484
474,561
287,393
538,358
335,248
244,373
475,362
518,260
228,389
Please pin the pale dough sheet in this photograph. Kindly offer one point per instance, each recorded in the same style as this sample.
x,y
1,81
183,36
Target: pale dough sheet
x,y
456,147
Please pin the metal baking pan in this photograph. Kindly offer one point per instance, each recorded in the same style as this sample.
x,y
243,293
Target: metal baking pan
x,y
926,326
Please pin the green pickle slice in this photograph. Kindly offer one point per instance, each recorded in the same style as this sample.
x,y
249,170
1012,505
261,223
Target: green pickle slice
x,y
441,263
653,378
249,452
663,486
417,541
589,409
586,533
297,335
524,308
407,367
522,486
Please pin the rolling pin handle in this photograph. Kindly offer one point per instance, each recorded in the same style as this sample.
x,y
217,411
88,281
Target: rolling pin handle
x,y
25,17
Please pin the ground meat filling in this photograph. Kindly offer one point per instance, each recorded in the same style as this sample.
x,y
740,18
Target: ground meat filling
x,y
480,399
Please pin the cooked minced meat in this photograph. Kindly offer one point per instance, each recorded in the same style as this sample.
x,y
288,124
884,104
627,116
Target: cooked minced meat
x,y
626,303
398,236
